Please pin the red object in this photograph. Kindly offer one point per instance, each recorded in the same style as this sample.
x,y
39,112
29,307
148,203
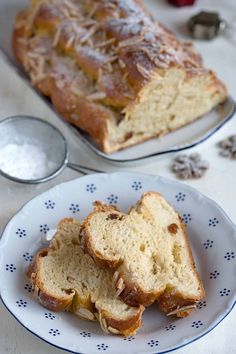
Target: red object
x,y
181,3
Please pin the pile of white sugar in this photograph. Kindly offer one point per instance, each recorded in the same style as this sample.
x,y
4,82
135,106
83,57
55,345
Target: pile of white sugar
x,y
25,161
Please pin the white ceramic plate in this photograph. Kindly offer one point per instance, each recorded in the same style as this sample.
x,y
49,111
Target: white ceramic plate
x,y
211,233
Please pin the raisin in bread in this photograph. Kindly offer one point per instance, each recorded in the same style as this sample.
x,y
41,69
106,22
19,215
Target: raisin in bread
x,y
110,69
149,250
65,278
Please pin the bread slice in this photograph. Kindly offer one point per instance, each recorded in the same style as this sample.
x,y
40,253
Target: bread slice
x,y
149,250
65,278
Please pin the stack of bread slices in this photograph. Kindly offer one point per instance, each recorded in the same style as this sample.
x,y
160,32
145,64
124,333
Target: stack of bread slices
x,y
113,265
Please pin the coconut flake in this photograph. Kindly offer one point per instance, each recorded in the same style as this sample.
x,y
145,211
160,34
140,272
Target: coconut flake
x,y
144,72
113,330
66,11
19,24
40,50
70,41
89,34
109,67
60,84
85,313
71,7
56,37
34,55
122,64
87,23
75,90
93,11
184,308
35,64
105,43
74,116
96,96
131,41
112,59
22,41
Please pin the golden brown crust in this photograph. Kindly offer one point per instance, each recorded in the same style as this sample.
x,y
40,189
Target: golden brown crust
x,y
173,302
52,303
89,116
170,300
127,328
201,288
133,295
116,44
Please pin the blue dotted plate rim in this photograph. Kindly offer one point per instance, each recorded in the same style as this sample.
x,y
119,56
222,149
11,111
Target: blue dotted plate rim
x,y
164,180
166,351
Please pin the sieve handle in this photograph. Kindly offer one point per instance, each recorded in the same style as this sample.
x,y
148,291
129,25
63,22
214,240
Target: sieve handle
x,y
82,169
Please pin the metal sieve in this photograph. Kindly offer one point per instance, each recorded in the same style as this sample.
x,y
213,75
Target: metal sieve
x,y
26,132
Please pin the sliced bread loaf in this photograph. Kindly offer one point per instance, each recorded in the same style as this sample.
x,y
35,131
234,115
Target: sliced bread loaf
x,y
65,278
113,71
149,250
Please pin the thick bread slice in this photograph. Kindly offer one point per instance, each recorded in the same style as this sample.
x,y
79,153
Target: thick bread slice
x,y
67,279
148,247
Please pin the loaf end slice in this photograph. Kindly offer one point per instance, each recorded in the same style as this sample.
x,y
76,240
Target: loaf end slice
x,y
65,278
149,249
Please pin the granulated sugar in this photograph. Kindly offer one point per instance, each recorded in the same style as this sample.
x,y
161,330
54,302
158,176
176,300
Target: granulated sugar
x,y
25,161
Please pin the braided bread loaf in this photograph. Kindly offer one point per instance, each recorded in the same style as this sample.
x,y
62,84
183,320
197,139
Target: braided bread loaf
x,y
113,71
